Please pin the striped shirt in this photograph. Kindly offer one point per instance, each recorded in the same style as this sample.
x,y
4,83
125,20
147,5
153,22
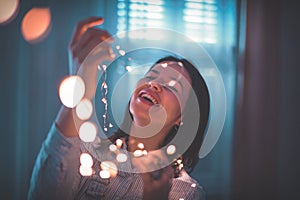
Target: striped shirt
x,y
56,175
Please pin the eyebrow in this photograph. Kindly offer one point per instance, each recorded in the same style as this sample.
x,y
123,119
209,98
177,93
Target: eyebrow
x,y
155,71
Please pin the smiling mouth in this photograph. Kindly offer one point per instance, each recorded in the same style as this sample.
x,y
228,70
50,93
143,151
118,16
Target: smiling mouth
x,y
149,98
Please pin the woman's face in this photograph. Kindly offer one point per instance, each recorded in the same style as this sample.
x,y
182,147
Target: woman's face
x,y
161,95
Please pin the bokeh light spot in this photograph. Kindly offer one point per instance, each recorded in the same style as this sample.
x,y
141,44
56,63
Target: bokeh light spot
x,y
8,10
119,143
112,147
138,153
86,160
121,157
141,145
104,174
36,24
71,91
87,132
84,109
85,171
110,167
171,149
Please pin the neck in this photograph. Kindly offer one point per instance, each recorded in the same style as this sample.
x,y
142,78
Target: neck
x,y
149,136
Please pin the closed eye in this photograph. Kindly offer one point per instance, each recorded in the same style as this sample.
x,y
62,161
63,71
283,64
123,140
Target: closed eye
x,y
172,88
150,78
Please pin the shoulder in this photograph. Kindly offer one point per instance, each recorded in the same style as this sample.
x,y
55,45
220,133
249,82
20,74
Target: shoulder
x,y
185,187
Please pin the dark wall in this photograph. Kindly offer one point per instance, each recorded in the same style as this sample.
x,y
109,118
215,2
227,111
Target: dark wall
x,y
266,142
289,137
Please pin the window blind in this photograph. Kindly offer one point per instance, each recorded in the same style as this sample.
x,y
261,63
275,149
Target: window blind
x,y
137,14
200,20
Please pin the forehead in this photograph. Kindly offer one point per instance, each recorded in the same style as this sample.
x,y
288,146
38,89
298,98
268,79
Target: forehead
x,y
172,68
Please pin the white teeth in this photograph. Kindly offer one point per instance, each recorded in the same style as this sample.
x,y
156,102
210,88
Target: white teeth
x,y
148,96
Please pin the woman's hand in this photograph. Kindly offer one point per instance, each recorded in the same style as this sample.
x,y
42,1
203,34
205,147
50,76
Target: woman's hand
x,y
84,58
157,174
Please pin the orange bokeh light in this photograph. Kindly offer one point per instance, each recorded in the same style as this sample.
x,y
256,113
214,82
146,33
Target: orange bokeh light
x,y
36,24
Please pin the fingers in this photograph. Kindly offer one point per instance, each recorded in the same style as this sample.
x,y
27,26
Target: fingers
x,y
83,25
94,32
88,41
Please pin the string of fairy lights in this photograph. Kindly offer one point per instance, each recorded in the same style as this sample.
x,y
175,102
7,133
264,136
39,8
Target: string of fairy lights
x,y
71,93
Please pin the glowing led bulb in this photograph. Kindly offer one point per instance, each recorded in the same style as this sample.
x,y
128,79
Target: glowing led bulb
x,y
121,157
171,149
180,166
122,52
129,68
104,100
71,91
104,85
104,174
119,143
86,160
84,109
87,132
85,171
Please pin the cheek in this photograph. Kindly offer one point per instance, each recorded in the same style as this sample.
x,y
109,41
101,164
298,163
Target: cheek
x,y
173,106
132,103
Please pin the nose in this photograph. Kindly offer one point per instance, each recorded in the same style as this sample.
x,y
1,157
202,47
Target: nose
x,y
155,86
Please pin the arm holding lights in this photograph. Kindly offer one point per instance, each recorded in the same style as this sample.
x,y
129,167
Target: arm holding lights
x,y
85,38
55,174
56,168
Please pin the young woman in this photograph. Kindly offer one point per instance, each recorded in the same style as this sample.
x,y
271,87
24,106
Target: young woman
x,y
161,107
